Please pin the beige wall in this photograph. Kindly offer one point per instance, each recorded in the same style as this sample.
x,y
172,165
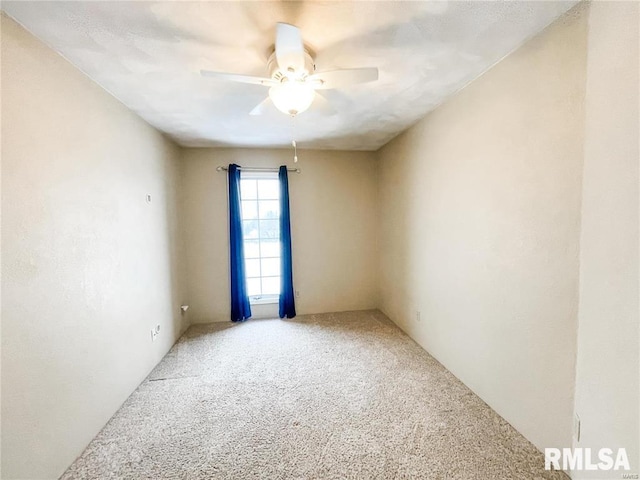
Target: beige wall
x,y
333,218
607,396
88,267
479,231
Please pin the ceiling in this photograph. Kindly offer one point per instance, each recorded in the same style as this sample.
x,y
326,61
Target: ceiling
x,y
148,55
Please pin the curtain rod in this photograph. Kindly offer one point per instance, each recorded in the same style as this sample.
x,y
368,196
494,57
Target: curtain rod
x,y
259,169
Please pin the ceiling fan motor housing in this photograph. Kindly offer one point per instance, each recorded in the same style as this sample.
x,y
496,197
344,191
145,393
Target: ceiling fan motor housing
x,y
279,74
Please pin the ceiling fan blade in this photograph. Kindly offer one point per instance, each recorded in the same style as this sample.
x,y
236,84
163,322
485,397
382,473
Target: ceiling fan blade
x,y
343,78
232,77
322,105
262,107
289,48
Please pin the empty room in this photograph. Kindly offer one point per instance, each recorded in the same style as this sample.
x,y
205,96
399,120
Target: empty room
x,y
320,240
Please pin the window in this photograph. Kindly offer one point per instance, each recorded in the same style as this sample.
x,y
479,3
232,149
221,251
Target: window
x,y
260,196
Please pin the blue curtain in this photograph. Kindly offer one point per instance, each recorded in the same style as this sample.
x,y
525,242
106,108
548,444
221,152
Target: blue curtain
x,y
287,301
240,308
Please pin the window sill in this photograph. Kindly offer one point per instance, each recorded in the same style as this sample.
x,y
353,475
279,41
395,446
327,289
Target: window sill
x,y
264,300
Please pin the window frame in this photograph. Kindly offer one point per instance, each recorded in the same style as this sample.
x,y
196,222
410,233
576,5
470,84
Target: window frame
x,y
248,175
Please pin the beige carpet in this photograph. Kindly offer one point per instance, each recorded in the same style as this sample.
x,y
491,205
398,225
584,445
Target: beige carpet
x,y
333,396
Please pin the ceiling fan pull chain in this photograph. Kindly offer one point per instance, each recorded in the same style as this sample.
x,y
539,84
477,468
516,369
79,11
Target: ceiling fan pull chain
x,y
293,142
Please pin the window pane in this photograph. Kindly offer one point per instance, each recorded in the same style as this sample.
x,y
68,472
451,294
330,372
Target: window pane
x,y
253,286
261,231
249,209
252,267
248,189
250,228
268,189
269,229
269,209
271,285
251,249
270,248
270,266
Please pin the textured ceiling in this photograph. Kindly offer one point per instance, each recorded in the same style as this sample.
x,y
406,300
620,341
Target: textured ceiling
x,y
148,55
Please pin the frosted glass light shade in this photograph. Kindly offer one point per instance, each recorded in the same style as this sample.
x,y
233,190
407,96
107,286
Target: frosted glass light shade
x,y
292,97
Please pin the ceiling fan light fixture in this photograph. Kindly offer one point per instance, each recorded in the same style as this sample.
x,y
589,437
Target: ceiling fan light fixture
x,y
292,98
293,79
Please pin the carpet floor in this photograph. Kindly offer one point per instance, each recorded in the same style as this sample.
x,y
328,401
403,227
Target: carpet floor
x,y
332,396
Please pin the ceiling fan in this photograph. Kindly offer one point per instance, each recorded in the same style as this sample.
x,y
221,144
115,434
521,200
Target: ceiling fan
x,y
292,78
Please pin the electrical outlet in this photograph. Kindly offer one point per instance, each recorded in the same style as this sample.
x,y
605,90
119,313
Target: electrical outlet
x,y
154,332
576,427
418,317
